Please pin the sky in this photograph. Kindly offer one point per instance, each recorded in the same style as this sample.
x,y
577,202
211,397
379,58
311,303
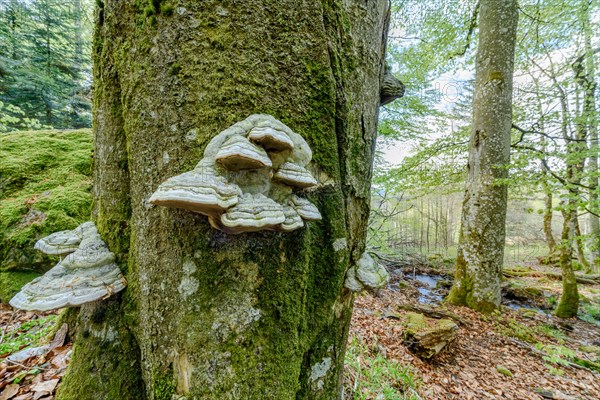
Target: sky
x,y
449,86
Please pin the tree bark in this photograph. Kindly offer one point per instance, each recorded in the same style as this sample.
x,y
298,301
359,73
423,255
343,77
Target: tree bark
x,y
208,315
481,244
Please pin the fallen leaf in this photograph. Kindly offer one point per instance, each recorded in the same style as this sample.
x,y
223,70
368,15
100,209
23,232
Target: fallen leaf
x,y
46,386
9,392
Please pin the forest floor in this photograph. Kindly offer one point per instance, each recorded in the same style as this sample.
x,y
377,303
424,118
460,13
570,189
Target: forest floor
x,y
538,351
522,352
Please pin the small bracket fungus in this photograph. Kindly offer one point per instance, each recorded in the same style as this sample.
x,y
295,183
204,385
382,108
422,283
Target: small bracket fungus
x,y
391,88
253,213
271,139
199,190
87,274
63,242
247,178
294,175
239,153
366,274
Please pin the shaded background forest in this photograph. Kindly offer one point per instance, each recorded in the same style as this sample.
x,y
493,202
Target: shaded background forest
x,y
45,64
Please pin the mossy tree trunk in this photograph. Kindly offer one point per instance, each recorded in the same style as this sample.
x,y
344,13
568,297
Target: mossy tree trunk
x,y
569,300
481,244
208,315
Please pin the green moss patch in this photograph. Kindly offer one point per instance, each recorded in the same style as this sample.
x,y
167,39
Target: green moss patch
x,y
12,281
45,184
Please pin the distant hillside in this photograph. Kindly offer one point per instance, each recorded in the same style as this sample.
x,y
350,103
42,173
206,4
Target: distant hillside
x,y
45,184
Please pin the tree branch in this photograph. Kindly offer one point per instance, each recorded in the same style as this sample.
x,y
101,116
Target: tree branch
x,y
472,26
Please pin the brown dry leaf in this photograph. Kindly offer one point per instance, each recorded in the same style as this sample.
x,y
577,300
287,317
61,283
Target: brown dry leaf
x,y
25,396
59,338
9,392
46,386
40,395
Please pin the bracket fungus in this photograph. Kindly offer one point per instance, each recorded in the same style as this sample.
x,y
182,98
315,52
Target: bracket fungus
x,y
248,179
271,139
63,242
366,274
199,190
391,88
239,153
86,275
307,210
294,175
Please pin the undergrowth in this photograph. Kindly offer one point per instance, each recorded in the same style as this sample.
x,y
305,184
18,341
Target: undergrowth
x,y
30,333
373,376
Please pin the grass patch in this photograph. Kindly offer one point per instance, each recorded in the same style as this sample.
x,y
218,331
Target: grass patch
x,y
370,376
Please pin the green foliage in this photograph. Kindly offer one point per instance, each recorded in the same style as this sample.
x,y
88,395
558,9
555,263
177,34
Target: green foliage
x,y
377,377
164,388
30,333
45,64
44,187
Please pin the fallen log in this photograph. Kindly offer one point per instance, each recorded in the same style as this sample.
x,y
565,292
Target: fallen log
x,y
585,279
434,313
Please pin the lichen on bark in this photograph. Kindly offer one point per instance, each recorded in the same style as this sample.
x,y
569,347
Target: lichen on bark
x,y
210,315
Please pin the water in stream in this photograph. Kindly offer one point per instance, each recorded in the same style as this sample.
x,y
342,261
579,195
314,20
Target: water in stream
x,y
430,293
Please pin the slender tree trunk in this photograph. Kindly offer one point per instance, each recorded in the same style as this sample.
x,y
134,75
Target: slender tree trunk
x,y
578,237
208,315
548,197
548,210
569,300
585,73
481,244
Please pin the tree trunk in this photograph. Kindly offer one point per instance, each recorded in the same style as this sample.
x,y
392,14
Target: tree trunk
x,y
585,72
578,237
569,300
481,244
548,197
548,210
208,315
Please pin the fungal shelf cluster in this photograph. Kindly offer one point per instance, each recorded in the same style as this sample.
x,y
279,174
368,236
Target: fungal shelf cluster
x,y
248,180
87,273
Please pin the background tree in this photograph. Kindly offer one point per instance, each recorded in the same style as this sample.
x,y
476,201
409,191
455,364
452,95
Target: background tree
x,y
268,315
481,247
45,63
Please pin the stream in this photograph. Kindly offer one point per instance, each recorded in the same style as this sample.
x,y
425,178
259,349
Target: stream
x,y
433,288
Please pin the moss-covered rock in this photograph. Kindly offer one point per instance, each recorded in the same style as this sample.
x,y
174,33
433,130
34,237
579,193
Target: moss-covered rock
x,y
45,184
427,336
